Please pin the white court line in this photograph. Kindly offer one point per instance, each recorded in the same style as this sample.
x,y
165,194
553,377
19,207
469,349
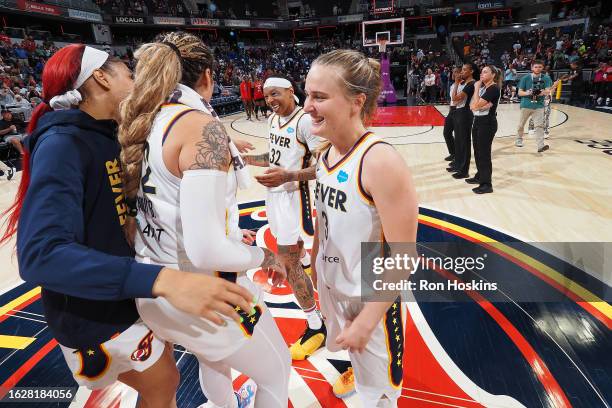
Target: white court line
x,y
33,314
404,388
287,313
439,395
181,357
81,397
549,336
16,350
26,318
450,367
300,393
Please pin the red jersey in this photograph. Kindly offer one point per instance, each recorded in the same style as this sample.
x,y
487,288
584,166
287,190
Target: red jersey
x,y
258,90
246,90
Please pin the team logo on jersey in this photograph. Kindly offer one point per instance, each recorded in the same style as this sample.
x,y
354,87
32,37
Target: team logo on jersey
x,y
145,347
342,176
95,362
290,130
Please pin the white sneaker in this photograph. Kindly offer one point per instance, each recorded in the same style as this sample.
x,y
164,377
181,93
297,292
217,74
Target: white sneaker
x,y
546,135
245,396
518,142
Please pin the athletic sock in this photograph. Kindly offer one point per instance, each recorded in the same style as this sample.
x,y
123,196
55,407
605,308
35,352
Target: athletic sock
x,y
313,317
306,260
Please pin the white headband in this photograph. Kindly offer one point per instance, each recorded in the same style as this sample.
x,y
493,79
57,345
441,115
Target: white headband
x,y
92,59
279,83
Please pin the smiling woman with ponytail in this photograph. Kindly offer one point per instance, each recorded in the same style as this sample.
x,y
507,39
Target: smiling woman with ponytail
x,y
69,215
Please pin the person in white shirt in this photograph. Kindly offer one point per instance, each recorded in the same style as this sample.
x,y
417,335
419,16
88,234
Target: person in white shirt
x,y
430,86
288,202
455,88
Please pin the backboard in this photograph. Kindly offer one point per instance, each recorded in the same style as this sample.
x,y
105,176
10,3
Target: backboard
x,y
391,29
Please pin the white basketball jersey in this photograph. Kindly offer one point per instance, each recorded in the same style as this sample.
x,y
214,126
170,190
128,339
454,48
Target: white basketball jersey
x,y
289,149
159,239
346,216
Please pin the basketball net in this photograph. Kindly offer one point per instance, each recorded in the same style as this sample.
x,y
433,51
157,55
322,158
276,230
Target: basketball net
x,y
382,45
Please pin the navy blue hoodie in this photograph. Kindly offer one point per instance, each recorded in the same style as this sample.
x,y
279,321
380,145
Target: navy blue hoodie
x,y
70,239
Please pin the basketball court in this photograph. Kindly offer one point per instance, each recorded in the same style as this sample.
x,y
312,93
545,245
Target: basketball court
x,y
468,353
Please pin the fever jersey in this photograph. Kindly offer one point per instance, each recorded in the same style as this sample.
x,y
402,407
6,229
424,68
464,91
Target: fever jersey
x,y
346,217
291,143
159,239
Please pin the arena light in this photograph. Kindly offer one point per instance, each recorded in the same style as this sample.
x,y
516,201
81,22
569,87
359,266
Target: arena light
x,y
533,24
516,26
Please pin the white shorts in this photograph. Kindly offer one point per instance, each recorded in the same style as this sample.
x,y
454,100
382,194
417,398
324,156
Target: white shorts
x,y
18,137
377,371
137,348
199,335
290,215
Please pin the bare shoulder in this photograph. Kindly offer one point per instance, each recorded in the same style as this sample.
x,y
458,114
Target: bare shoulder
x,y
384,170
382,158
204,142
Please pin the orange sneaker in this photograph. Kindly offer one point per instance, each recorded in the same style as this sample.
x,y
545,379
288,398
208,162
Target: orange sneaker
x,y
345,384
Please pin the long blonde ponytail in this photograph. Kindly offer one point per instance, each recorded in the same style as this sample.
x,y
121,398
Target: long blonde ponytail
x,y
175,58
157,73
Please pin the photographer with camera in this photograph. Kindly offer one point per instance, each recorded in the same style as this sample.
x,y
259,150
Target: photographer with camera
x,y
532,89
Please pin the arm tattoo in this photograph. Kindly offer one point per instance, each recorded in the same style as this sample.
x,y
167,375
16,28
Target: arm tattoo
x,y
213,149
261,160
309,173
299,281
269,259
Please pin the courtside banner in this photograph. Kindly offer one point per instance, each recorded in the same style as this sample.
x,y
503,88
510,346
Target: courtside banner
x,y
237,23
266,24
176,21
128,20
205,22
85,15
351,18
38,7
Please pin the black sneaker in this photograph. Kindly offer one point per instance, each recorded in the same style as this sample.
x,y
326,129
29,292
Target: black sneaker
x,y
450,158
11,173
543,148
460,175
483,189
472,180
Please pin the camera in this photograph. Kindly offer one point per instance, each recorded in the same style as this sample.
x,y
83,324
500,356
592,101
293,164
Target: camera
x,y
538,87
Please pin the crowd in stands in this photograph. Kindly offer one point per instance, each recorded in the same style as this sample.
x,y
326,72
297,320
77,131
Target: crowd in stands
x,y
143,7
429,74
21,66
559,48
233,62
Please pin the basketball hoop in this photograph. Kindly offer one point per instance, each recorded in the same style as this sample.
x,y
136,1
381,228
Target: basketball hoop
x,y
382,44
